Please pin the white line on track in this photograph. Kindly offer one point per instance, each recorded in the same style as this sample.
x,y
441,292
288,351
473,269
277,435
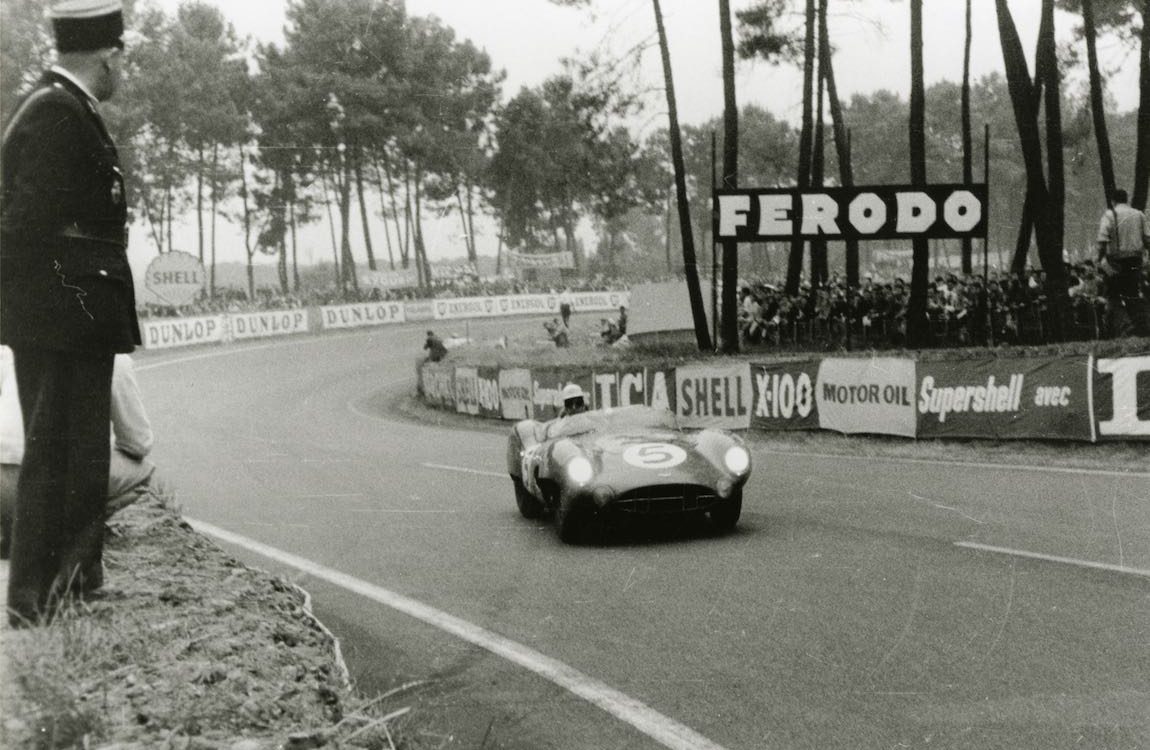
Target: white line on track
x,y
664,730
1056,559
465,470
968,464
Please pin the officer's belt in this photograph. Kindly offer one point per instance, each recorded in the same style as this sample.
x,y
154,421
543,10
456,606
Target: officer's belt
x,y
80,232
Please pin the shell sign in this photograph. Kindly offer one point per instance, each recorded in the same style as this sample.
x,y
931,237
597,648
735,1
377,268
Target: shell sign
x,y
176,278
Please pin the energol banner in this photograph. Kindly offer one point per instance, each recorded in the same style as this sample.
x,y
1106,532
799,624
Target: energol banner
x,y
1005,398
866,396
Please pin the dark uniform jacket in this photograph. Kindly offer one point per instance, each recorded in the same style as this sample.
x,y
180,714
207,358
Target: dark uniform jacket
x,y
65,283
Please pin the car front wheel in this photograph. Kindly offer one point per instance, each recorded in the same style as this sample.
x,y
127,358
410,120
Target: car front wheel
x,y
573,520
726,515
529,505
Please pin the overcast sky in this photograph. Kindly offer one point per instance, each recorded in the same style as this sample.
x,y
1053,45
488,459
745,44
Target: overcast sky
x,y
527,38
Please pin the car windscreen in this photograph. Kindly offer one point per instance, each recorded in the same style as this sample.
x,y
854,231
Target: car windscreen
x,y
613,420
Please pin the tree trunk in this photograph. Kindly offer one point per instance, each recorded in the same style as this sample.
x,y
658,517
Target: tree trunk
x,y
408,223
423,268
967,139
212,221
383,212
331,226
472,253
348,262
200,202
917,323
1050,241
795,259
1142,154
690,268
1022,243
1097,107
358,163
820,269
247,225
842,140
294,241
730,321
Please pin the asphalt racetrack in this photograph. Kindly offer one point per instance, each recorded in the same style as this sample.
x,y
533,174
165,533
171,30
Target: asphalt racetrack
x,y
858,604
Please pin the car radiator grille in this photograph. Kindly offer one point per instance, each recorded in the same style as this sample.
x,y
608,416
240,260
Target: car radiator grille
x,y
666,499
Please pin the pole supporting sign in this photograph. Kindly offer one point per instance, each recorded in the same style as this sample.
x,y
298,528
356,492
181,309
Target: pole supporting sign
x,y
880,212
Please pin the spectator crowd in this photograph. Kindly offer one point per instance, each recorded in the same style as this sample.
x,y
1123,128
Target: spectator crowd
x,y
963,310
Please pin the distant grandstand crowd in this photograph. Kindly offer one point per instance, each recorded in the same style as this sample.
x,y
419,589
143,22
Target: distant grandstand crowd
x,y
1009,310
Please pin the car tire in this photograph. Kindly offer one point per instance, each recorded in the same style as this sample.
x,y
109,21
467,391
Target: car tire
x,y
725,517
572,520
529,506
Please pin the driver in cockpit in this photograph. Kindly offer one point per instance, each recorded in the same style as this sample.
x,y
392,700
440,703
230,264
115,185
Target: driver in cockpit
x,y
574,400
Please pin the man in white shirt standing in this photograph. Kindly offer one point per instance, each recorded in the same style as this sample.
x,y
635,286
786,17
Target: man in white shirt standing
x,y
1123,239
130,473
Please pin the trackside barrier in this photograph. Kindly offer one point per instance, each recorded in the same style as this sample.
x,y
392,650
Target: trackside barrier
x,y
1073,397
165,333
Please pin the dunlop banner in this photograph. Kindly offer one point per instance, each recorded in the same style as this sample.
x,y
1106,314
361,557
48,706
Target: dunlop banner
x,y
714,396
488,392
263,324
866,395
1004,398
363,314
515,394
1122,398
167,333
785,396
647,386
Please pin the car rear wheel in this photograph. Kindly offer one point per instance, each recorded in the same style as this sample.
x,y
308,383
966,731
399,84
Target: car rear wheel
x,y
529,505
726,515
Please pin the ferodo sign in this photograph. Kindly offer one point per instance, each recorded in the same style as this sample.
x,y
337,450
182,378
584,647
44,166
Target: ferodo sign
x,y
714,396
866,395
884,212
1122,398
785,396
1004,398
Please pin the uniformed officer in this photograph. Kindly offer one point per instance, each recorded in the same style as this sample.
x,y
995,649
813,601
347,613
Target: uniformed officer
x,y
67,305
1123,238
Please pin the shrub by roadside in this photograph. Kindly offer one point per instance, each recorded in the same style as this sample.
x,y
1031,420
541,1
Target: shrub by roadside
x,y
189,649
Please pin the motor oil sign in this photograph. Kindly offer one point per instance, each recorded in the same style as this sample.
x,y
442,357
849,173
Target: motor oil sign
x,y
866,396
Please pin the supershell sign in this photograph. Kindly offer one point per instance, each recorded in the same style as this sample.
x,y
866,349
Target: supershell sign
x,y
885,212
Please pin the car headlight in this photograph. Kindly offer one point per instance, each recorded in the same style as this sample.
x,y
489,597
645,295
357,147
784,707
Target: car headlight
x,y
736,459
579,470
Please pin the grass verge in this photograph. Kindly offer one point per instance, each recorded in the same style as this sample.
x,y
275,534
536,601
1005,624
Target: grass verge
x,y
188,650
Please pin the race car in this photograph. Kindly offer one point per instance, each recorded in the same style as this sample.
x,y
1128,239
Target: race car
x,y
634,460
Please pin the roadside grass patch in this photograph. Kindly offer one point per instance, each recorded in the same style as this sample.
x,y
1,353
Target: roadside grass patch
x,y
188,649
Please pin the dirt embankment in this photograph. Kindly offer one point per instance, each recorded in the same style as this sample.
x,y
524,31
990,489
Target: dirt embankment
x,y
188,649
